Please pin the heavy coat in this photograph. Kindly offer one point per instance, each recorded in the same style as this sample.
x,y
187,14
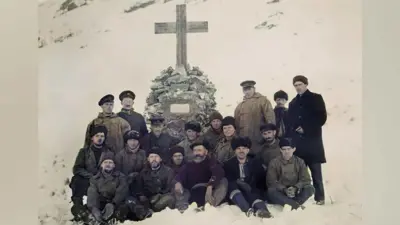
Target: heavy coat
x,y
268,152
116,127
107,189
282,174
254,172
281,116
223,150
86,165
212,136
135,120
164,142
128,162
308,112
152,182
251,113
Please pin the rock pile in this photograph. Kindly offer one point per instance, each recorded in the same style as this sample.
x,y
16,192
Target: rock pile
x,y
193,89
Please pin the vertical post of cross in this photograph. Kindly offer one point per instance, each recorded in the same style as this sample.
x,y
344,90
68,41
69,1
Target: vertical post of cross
x,y
181,36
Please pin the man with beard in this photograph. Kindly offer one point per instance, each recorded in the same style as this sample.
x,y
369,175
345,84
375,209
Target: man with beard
x,y
193,130
200,181
307,114
177,158
215,130
269,145
246,179
107,192
156,183
116,126
223,150
86,166
159,138
135,120
280,98
131,160
252,112
288,180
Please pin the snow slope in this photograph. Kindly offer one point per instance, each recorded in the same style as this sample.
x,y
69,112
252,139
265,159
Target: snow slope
x,y
113,51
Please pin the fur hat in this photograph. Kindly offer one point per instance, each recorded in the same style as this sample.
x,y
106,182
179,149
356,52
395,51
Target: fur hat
x,y
205,143
177,149
300,78
131,134
156,120
194,126
154,150
215,116
240,142
98,129
281,94
285,142
106,99
268,126
228,120
107,156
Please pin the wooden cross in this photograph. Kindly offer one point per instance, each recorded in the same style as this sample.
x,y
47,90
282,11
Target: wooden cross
x,y
181,27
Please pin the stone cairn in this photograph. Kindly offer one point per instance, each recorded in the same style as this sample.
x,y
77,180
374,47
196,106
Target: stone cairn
x,y
170,87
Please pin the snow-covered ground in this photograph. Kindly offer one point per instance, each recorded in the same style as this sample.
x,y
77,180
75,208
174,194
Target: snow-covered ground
x,y
113,51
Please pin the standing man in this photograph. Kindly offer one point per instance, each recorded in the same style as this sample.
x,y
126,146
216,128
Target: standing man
x,y
115,125
280,98
307,114
254,111
269,148
135,120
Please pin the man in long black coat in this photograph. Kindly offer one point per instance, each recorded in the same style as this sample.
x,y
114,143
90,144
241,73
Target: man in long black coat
x,y
307,114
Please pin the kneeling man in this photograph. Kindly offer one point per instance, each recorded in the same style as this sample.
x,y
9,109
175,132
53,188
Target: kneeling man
x,y
201,181
246,178
288,180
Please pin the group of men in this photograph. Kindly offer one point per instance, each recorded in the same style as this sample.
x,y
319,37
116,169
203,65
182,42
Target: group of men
x,y
260,155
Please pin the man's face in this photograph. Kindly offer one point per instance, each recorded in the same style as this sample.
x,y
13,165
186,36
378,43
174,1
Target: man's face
x,y
108,165
191,135
132,143
228,130
127,103
280,102
157,129
154,160
199,153
108,107
216,124
300,87
241,152
287,152
269,135
248,91
98,139
177,158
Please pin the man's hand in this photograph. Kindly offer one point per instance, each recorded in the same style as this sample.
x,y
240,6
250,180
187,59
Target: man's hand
x,y
178,188
209,197
155,198
291,192
97,215
300,130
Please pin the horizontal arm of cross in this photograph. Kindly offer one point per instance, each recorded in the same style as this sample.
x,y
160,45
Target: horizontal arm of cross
x,y
170,27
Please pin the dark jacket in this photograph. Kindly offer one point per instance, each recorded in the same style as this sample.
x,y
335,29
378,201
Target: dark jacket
x,y
135,120
309,112
254,174
282,123
154,182
86,164
107,189
209,172
128,162
211,136
268,152
164,142
282,174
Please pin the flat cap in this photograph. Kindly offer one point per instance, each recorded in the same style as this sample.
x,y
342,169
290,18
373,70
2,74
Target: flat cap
x,y
267,127
248,83
127,94
156,119
106,99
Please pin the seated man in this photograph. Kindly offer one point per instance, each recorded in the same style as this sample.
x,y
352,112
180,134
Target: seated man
x,y
223,149
245,179
192,134
107,192
177,158
155,183
288,180
201,180
85,167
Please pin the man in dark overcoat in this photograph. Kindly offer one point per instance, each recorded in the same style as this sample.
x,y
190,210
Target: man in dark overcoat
x,y
307,114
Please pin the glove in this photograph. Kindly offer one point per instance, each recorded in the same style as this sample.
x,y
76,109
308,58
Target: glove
x,y
108,211
291,192
178,188
244,186
209,197
97,215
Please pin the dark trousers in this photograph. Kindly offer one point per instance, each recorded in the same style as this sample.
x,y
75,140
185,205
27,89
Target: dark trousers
x,y
278,197
316,174
79,186
245,198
